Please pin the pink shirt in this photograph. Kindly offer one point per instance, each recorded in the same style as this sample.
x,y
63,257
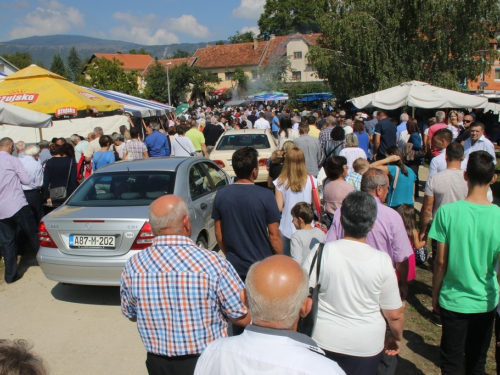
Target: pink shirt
x,y
434,128
334,194
12,175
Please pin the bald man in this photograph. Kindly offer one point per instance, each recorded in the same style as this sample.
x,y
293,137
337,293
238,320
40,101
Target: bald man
x,y
180,295
276,295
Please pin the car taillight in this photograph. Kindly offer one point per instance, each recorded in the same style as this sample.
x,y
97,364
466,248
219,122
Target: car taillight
x,y
44,237
263,162
144,239
220,163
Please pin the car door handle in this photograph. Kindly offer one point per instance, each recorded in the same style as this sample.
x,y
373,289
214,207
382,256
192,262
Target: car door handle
x,y
203,206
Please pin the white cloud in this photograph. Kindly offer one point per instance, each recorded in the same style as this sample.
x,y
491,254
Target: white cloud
x,y
187,24
253,29
51,17
148,33
251,9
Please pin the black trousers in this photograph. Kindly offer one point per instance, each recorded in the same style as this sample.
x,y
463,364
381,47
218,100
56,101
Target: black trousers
x,y
497,339
465,333
8,227
34,198
353,365
163,365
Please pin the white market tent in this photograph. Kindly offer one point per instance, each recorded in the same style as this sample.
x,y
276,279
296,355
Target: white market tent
x,y
18,116
419,95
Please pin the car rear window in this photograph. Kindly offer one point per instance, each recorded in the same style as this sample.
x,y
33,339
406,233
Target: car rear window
x,y
123,189
236,141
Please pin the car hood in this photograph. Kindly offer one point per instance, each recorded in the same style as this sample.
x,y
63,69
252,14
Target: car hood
x,y
77,212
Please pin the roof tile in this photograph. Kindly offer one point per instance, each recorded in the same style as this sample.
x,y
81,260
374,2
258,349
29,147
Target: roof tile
x,y
130,61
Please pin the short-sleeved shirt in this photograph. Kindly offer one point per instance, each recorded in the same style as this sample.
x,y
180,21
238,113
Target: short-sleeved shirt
x,y
80,148
102,158
334,193
135,149
92,148
446,187
275,123
434,128
471,232
388,134
404,187
363,142
245,223
157,144
196,137
303,241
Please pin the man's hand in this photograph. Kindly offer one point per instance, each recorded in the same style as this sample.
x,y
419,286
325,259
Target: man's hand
x,y
392,345
435,305
403,290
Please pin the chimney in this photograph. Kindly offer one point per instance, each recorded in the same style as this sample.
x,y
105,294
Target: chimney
x,y
255,44
272,36
208,45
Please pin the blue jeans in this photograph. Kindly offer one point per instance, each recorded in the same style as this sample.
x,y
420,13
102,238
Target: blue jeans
x,y
286,245
23,218
275,134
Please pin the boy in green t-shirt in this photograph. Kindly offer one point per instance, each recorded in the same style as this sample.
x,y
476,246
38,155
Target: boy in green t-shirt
x,y
465,288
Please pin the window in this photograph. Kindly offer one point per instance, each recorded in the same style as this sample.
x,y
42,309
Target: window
x,y
198,182
216,75
297,55
296,76
497,74
218,177
229,76
234,142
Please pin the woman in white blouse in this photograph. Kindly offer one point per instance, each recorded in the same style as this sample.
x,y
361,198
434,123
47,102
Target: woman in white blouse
x,y
352,151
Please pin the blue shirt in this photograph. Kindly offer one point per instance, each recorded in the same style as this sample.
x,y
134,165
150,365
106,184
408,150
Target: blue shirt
x,y
34,169
401,128
157,144
102,158
44,155
364,142
416,140
404,187
275,126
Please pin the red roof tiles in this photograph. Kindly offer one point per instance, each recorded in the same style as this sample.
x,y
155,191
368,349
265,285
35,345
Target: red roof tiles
x,y
130,62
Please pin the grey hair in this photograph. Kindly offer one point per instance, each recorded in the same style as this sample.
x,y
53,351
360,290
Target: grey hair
x,y
173,219
214,120
348,122
331,120
282,312
404,117
32,150
460,114
440,115
21,145
74,138
351,140
359,212
372,179
154,126
16,357
117,137
43,144
98,130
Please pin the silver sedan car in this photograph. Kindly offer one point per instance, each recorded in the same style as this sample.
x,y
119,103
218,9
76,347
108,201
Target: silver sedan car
x,y
91,236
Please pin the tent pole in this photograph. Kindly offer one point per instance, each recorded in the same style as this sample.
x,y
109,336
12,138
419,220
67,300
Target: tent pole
x,y
41,135
412,112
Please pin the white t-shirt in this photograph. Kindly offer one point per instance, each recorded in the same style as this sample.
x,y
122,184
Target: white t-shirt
x,y
351,154
356,282
348,130
262,123
290,199
282,138
182,146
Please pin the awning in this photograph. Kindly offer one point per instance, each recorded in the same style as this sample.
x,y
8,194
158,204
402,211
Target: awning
x,y
315,96
137,107
18,116
218,91
236,102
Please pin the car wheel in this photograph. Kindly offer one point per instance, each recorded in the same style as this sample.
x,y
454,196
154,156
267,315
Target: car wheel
x,y
201,242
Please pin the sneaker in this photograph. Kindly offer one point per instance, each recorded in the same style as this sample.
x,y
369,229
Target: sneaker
x,y
436,319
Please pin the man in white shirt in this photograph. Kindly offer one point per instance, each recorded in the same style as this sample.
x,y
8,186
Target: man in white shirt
x,y
94,145
276,295
442,138
477,142
32,191
182,145
80,146
262,123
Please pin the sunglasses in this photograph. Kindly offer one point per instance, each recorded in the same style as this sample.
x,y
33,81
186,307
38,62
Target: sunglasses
x,y
467,121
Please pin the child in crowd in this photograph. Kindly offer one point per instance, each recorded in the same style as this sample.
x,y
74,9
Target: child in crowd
x,y
306,236
407,213
103,156
360,166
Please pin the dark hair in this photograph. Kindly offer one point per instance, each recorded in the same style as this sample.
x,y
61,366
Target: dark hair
x,y
412,126
62,139
477,123
54,140
303,211
55,149
311,120
338,133
480,168
16,357
454,151
244,161
382,112
285,125
261,114
444,134
134,133
334,167
359,212
180,129
104,140
407,213
394,150
359,126
68,150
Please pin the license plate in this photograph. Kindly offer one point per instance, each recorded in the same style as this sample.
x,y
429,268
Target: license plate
x,y
230,163
97,242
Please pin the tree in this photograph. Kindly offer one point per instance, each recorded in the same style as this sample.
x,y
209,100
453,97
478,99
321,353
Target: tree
x,y
220,43
57,66
246,37
106,74
370,45
239,81
180,54
272,76
20,60
156,83
283,17
74,64
140,51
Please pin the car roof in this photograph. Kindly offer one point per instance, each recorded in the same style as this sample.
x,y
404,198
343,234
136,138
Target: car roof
x,y
169,163
246,131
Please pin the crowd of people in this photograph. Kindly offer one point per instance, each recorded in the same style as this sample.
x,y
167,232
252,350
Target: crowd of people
x,y
338,214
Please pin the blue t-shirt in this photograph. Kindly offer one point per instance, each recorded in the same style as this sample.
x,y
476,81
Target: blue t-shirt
x,y
275,127
404,187
157,144
387,131
416,140
364,142
102,158
245,211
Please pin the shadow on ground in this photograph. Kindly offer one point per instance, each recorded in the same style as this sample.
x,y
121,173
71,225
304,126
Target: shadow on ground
x,y
88,295
407,368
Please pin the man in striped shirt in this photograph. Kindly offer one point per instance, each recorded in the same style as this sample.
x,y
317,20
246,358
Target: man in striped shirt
x,y
180,295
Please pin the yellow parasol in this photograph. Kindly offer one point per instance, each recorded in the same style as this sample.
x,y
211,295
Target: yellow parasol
x,y
43,91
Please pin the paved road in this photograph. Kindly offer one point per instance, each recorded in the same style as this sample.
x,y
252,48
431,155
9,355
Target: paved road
x,y
76,329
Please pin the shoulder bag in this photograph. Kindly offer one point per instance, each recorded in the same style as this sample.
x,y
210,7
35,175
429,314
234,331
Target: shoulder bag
x,y
61,193
190,153
306,325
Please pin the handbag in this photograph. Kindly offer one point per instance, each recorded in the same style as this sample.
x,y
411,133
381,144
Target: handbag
x,y
61,193
421,255
306,324
318,223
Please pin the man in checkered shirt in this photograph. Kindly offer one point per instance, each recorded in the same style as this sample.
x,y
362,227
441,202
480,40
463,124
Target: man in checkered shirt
x,y
180,295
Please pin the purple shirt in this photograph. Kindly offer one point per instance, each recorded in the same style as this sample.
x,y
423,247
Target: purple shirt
x,y
388,233
12,175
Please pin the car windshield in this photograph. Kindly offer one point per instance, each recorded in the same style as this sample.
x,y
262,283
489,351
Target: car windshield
x,y
236,141
123,189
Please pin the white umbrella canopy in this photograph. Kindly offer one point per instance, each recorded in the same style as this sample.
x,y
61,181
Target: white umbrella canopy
x,y
17,116
419,95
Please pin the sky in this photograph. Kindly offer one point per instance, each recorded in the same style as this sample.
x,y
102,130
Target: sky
x,y
146,22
